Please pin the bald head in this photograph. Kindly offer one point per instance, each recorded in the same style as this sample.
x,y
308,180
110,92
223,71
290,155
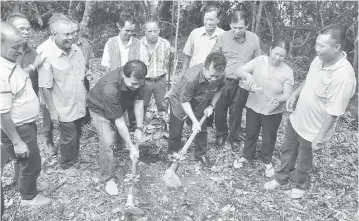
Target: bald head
x,y
11,42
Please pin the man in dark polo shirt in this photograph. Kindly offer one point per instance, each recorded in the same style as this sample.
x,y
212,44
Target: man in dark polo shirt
x,y
239,46
195,94
114,94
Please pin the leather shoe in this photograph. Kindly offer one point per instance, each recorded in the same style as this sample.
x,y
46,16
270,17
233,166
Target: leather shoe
x,y
220,141
235,146
205,161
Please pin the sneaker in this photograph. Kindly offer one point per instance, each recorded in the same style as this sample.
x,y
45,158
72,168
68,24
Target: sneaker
x,y
297,193
242,160
269,170
111,188
72,172
42,186
38,200
205,161
83,141
271,185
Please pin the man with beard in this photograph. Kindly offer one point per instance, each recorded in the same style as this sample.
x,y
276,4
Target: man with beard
x,y
194,95
61,79
239,46
322,98
108,100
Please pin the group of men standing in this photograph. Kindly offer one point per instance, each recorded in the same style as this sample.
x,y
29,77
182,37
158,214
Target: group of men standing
x,y
136,69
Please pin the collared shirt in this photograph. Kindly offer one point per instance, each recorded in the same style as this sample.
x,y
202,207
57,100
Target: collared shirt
x,y
193,87
110,97
327,90
24,60
124,50
236,53
158,58
64,73
199,44
272,80
43,45
86,50
16,94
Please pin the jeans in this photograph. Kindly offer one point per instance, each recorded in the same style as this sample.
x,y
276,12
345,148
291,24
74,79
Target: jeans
x,y
158,88
47,124
175,135
27,170
269,125
108,138
233,98
295,148
70,133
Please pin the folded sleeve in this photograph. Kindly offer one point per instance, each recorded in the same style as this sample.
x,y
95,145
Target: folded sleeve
x,y
187,90
5,97
339,93
46,75
111,100
188,48
105,56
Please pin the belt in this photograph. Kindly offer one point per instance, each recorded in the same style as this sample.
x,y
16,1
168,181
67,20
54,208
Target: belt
x,y
155,79
236,81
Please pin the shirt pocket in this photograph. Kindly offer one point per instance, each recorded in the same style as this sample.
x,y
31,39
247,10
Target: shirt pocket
x,y
321,90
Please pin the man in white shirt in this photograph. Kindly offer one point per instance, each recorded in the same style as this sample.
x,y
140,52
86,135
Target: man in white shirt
x,y
323,97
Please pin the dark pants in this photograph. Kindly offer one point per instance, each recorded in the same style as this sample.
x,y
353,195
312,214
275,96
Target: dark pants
x,y
233,98
175,135
47,124
70,133
131,119
158,89
27,170
295,148
269,125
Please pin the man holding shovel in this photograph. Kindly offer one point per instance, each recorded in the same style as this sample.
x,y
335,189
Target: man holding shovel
x,y
108,100
195,94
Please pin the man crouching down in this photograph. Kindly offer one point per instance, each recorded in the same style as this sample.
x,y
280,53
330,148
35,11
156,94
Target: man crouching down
x,y
113,95
195,94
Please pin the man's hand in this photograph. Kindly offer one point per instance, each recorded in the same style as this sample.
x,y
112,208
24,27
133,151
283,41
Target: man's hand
x,y
249,80
208,111
39,60
54,117
89,75
196,127
290,103
138,135
316,145
21,150
134,153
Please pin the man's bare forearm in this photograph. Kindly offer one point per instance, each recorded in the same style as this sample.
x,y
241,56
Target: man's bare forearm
x,y
49,100
188,110
8,126
328,122
123,130
185,65
139,112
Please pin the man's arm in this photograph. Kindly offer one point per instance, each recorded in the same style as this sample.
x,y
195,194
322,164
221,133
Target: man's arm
x,y
188,110
328,122
47,93
186,62
139,112
8,126
36,64
123,130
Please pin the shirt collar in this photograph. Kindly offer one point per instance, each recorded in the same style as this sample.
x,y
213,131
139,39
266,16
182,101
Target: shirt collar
x,y
243,39
8,64
144,40
26,47
215,33
58,51
128,43
337,65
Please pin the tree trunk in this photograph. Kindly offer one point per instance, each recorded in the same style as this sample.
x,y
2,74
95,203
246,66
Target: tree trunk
x,y
254,12
355,61
86,16
259,16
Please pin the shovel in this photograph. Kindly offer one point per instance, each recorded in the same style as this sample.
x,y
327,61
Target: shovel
x,y
129,206
171,179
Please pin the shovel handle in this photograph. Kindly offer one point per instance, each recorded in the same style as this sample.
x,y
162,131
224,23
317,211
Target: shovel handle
x,y
191,138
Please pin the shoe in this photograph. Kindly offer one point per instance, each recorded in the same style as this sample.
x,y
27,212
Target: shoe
x,y
72,172
111,188
51,149
41,186
83,141
242,160
38,200
269,170
220,141
271,185
235,146
205,161
297,193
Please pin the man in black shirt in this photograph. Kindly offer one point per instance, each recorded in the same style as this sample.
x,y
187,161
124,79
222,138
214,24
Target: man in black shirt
x,y
114,94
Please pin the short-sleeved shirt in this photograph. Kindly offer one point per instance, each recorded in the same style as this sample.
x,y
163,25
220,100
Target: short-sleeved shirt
x,y
110,97
158,59
43,45
193,87
86,50
326,91
236,53
64,74
24,60
16,94
199,44
272,80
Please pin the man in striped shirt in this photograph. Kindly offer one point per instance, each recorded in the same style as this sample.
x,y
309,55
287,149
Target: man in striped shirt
x,y
158,50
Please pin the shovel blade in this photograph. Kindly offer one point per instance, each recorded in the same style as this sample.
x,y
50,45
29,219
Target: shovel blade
x,y
171,179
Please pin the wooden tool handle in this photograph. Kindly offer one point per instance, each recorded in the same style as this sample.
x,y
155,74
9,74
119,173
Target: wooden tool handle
x,y
190,139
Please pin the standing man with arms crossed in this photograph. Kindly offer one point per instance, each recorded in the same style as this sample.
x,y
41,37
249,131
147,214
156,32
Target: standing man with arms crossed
x,y
239,46
323,97
108,100
61,79
19,108
158,50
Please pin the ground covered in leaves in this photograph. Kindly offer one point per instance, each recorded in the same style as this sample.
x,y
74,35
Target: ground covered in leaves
x,y
226,192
